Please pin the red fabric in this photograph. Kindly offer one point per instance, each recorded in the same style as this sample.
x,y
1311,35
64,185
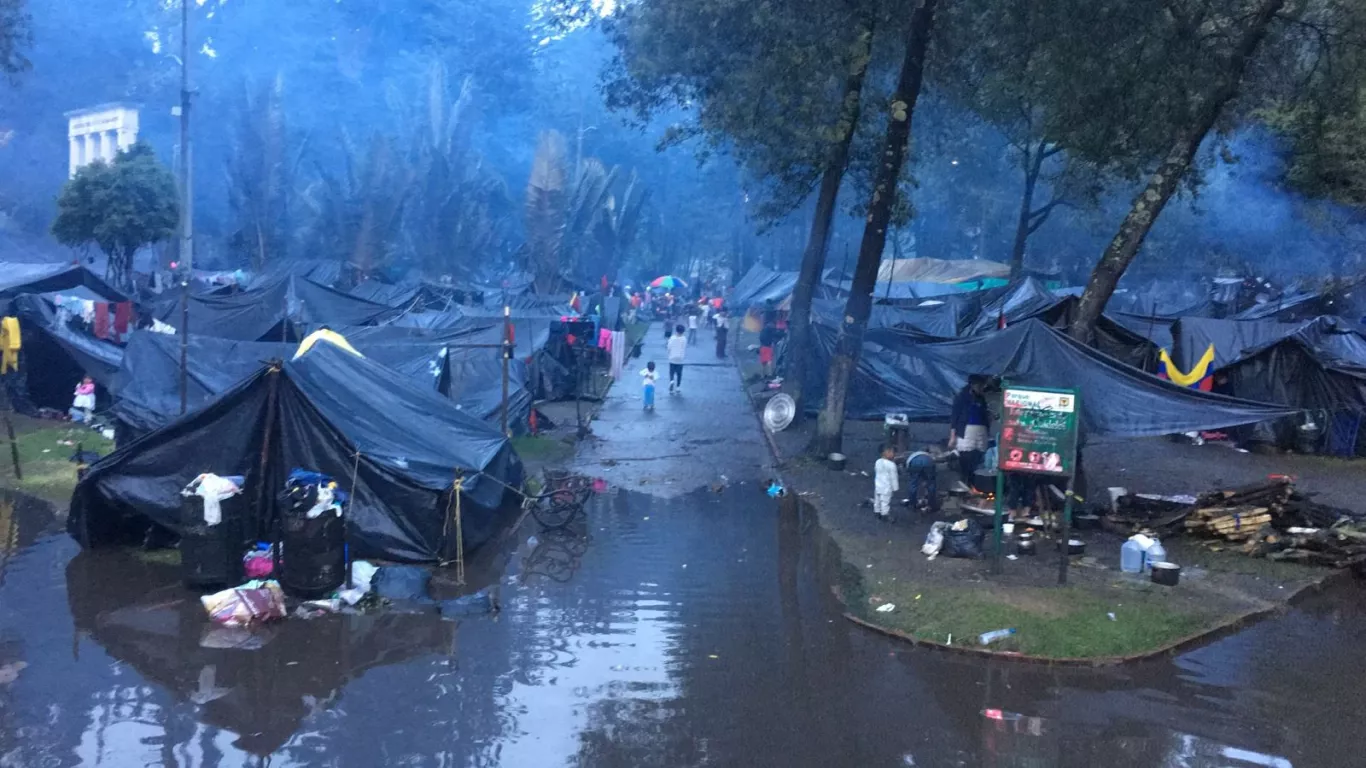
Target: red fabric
x,y
765,355
123,315
101,320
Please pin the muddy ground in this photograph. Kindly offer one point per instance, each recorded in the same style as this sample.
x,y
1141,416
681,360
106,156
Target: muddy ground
x,y
1217,587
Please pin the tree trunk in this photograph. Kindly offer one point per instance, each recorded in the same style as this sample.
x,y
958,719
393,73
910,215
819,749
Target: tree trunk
x,y
849,344
818,243
1033,165
1165,180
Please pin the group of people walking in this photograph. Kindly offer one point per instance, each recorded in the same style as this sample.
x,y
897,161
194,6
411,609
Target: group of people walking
x,y
678,338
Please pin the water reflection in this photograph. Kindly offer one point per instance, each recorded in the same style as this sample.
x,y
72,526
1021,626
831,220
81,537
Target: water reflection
x,y
258,685
695,630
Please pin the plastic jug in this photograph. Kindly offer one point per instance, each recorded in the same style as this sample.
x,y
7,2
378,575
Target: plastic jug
x,y
1131,557
1155,554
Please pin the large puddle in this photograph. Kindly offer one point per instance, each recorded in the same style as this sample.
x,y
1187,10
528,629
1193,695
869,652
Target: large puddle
x,y
689,631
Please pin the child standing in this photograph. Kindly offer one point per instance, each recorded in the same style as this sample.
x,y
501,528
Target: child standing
x,y
885,483
692,327
84,400
648,377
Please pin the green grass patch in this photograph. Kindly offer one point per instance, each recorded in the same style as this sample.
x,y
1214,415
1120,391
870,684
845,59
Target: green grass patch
x,y
1063,622
44,457
541,449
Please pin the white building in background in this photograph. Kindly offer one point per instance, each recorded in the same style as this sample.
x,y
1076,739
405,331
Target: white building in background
x,y
100,133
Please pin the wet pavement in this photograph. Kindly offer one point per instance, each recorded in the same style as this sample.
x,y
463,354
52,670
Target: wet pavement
x,y
692,438
686,628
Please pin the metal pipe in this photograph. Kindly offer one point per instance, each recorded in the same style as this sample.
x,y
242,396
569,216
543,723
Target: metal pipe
x,y
186,203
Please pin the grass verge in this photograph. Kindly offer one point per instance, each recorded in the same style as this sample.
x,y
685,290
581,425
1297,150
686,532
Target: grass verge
x,y
45,449
542,450
1061,623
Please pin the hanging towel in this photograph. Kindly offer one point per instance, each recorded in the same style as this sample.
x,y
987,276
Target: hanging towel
x,y
10,344
618,353
123,314
87,310
102,320
605,339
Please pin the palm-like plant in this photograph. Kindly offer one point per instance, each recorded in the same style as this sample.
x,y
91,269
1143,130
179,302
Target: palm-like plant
x,y
261,175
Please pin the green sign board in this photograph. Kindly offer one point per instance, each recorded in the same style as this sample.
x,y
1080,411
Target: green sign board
x,y
1038,431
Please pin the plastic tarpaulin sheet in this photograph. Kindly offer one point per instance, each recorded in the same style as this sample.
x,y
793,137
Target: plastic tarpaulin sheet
x,y
940,270
146,388
1117,400
17,278
258,313
1291,372
761,285
330,406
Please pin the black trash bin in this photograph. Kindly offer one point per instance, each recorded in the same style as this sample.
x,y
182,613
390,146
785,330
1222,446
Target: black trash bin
x,y
211,555
314,550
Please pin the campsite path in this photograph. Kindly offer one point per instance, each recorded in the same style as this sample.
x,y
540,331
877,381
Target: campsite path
x,y
690,440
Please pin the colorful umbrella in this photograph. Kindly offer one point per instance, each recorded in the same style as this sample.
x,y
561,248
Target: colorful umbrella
x,y
668,282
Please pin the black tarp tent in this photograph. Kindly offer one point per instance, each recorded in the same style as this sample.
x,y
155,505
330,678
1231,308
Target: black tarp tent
x,y
146,390
329,411
272,310
16,279
1234,340
54,356
899,373
761,285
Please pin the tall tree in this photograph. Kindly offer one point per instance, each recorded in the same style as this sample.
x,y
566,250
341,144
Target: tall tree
x,y
780,86
849,341
1221,44
121,207
261,175
15,36
822,221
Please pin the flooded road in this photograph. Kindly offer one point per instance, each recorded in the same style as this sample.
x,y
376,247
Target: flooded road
x,y
695,630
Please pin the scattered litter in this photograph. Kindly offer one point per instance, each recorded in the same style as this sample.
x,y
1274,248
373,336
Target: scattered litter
x,y
775,490
209,689
214,490
482,602
236,638
934,540
987,638
712,656
885,608
950,638
917,597
1112,616
402,582
1012,557
259,563
362,574
252,603
47,450
10,672
685,565
647,517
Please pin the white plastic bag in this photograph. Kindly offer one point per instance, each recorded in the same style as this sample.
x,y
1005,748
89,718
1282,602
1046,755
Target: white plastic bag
x,y
934,540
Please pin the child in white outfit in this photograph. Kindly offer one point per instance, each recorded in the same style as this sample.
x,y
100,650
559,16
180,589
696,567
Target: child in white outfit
x,y
885,483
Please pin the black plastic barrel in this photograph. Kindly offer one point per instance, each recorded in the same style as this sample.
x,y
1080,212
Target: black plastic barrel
x,y
314,553
211,555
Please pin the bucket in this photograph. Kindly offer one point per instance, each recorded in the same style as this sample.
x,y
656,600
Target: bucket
x,y
1166,574
837,461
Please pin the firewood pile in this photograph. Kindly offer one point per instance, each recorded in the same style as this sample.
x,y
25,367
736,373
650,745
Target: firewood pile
x,y
1270,519
1237,514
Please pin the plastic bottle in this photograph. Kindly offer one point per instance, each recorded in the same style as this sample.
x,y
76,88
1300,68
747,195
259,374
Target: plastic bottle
x,y
1155,554
1131,557
987,638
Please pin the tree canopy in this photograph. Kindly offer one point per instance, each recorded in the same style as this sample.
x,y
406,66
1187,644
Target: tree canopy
x,y
121,207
